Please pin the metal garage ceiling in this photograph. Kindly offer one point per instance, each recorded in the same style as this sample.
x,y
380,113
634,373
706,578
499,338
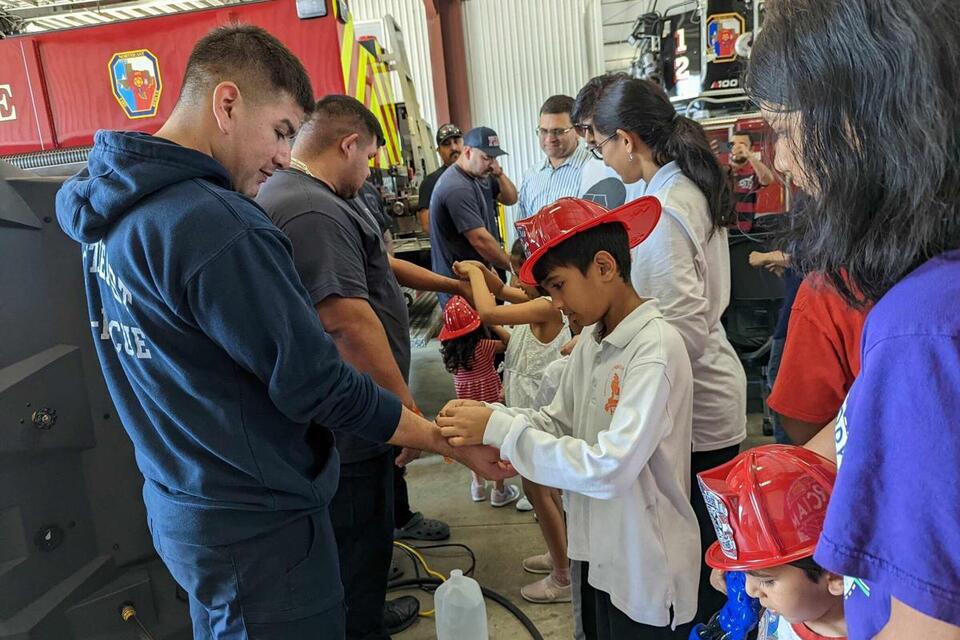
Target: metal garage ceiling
x,y
31,16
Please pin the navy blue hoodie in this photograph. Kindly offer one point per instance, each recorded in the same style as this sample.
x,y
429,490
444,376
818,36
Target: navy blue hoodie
x,y
214,357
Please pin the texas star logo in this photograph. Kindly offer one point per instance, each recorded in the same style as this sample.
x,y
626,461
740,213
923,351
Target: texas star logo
x,y
135,81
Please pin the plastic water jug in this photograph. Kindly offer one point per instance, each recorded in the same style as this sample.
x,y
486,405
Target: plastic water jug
x,y
461,612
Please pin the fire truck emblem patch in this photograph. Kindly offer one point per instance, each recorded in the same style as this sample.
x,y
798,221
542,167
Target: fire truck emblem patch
x,y
135,82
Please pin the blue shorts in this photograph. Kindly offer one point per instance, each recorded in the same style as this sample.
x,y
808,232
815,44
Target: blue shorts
x,y
277,586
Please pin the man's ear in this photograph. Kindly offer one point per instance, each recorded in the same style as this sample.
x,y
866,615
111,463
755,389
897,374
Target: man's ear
x,y
606,266
350,142
834,584
226,101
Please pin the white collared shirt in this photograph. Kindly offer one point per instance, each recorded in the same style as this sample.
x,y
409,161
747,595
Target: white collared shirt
x,y
617,438
685,265
545,183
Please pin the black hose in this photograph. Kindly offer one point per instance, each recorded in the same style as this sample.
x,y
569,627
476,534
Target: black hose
x,y
503,601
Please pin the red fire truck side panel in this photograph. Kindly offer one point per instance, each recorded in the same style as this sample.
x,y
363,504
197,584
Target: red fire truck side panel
x,y
25,123
127,75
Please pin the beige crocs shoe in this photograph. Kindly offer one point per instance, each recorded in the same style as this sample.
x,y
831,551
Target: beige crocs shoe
x,y
546,591
542,563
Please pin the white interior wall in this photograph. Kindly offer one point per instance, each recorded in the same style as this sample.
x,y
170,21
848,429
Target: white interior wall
x,y
520,52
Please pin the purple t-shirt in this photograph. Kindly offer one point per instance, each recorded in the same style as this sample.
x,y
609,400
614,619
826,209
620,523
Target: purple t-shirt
x,y
893,525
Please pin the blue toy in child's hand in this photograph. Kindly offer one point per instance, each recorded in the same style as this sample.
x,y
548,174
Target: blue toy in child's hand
x,y
737,618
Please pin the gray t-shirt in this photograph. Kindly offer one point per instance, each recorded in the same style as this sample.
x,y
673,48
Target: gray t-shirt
x,y
459,204
338,250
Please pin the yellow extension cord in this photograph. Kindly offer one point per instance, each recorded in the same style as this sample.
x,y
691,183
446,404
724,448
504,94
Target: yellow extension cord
x,y
426,567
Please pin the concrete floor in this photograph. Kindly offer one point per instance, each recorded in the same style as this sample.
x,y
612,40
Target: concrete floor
x,y
500,538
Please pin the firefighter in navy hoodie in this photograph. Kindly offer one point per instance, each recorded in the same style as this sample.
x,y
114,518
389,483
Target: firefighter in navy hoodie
x,y
216,361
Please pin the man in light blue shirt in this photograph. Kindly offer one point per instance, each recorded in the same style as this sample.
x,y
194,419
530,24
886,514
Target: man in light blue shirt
x,y
559,174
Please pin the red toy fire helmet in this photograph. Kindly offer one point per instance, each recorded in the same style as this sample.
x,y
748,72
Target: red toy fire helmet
x,y
569,216
459,318
767,506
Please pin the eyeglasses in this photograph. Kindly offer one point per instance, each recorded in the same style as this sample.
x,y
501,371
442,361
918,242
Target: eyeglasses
x,y
595,150
584,129
555,133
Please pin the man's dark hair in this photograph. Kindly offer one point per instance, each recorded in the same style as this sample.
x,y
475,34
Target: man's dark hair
x,y
586,101
557,104
334,118
745,134
258,63
810,568
881,148
580,250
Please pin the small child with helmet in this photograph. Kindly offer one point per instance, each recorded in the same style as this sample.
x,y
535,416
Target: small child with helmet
x,y
767,506
468,350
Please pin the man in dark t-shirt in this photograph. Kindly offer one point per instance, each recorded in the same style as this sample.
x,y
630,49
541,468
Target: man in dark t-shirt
x,y
497,185
462,221
342,261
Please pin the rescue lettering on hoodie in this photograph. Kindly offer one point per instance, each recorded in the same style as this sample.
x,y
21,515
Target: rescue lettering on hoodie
x,y
126,338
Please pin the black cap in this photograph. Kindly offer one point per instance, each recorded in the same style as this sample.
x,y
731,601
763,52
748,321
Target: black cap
x,y
485,139
448,131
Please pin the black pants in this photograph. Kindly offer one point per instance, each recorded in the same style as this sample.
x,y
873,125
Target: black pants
x,y
401,499
709,600
362,515
603,621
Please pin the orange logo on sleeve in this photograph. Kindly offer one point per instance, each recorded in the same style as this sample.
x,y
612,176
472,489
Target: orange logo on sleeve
x,y
614,398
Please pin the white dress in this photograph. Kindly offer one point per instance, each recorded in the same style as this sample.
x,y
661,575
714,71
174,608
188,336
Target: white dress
x,y
524,363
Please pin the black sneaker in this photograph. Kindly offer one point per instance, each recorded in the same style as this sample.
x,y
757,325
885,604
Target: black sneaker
x,y
400,613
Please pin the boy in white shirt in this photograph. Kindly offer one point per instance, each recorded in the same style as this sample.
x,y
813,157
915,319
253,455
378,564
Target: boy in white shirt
x,y
617,437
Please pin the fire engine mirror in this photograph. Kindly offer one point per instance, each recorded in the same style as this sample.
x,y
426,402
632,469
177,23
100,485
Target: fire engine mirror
x,y
311,9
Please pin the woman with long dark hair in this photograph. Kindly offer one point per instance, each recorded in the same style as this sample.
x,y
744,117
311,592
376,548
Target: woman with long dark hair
x,y
864,96
685,264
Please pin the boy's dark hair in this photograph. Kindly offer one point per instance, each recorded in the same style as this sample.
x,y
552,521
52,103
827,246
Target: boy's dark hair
x,y
881,148
580,250
810,568
518,250
557,104
642,108
336,117
586,101
458,353
258,63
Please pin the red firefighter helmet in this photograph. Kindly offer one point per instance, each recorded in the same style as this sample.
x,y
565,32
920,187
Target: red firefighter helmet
x,y
567,217
767,506
459,319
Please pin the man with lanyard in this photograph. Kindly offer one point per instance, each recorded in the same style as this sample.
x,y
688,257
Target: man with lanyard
x,y
462,221
341,258
560,174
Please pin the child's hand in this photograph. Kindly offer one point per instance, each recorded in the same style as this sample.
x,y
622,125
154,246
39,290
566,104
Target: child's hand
x,y
567,349
463,267
460,403
718,581
464,425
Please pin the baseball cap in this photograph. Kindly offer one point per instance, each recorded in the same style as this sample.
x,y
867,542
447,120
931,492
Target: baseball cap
x,y
485,139
448,131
